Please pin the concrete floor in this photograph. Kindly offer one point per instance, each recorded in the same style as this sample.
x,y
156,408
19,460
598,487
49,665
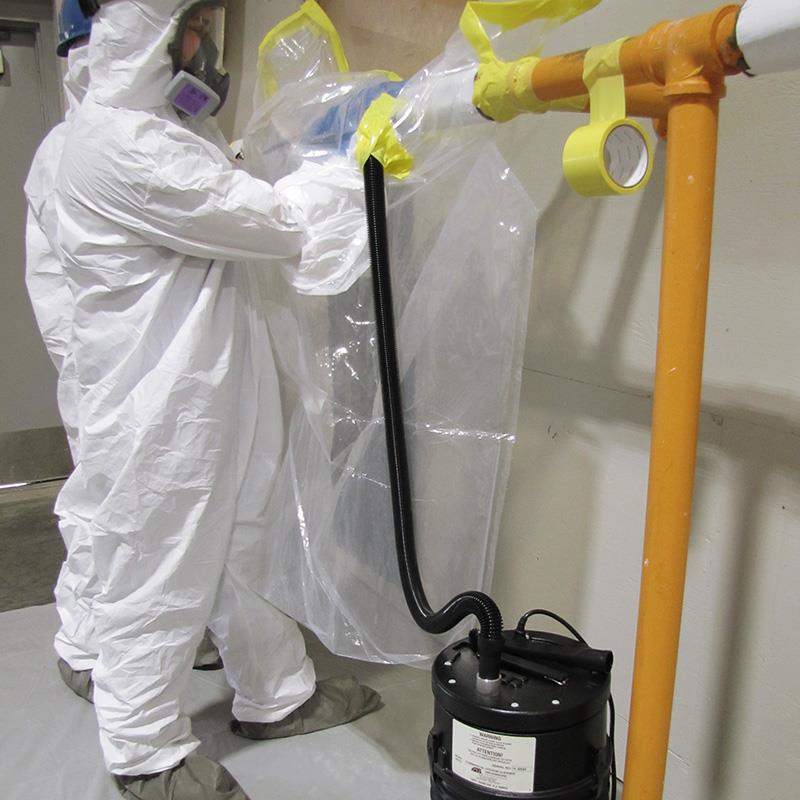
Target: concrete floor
x,y
50,748
50,745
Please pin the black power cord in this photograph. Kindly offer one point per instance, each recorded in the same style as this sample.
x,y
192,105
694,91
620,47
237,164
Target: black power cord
x,y
612,722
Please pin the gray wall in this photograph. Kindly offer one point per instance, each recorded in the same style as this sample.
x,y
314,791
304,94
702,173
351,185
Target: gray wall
x,y
572,530
29,105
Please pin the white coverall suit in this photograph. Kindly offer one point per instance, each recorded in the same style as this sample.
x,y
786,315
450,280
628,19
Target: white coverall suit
x,y
53,306
180,423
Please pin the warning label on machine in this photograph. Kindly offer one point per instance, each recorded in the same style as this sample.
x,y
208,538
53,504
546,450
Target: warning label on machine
x,y
494,761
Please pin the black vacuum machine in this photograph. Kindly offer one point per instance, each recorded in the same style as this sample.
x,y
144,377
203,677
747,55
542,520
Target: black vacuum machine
x,y
541,731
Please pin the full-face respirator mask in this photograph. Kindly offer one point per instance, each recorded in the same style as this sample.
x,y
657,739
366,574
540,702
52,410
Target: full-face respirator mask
x,y
201,84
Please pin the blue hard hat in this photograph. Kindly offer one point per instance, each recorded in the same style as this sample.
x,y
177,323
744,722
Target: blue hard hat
x,y
73,24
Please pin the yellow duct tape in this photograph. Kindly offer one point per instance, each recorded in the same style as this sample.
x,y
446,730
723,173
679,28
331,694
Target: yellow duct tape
x,y
310,17
503,89
510,15
612,154
377,137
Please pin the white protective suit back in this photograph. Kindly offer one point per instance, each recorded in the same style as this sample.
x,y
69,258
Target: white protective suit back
x,y
462,233
54,307
44,274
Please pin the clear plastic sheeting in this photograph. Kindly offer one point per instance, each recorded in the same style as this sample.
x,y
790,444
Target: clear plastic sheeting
x,y
461,245
305,44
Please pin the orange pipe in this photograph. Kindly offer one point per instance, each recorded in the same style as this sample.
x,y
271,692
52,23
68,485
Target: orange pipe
x,y
645,101
689,60
691,163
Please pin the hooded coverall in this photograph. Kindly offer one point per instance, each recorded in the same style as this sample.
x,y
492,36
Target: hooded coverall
x,y
179,415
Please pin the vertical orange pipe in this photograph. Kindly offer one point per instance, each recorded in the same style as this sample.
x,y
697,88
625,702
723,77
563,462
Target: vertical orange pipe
x,y
689,205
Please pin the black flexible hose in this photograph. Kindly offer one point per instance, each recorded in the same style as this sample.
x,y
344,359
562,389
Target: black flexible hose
x,y
463,605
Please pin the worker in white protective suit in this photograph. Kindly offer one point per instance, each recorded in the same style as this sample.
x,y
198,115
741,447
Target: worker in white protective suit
x,y
52,303
179,416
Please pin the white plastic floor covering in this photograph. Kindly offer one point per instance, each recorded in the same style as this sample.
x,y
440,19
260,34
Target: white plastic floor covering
x,y
49,748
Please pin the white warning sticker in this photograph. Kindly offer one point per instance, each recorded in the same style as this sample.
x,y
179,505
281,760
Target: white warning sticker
x,y
494,761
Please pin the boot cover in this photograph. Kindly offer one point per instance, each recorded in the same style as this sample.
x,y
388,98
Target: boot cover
x,y
80,681
336,701
195,778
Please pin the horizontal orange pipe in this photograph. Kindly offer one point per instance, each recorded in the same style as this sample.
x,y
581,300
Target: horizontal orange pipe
x,y
646,101
652,58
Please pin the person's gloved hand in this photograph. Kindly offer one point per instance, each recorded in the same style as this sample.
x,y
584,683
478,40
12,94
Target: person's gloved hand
x,y
326,201
334,130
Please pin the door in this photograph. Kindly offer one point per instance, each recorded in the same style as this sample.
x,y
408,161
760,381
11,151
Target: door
x,y
32,445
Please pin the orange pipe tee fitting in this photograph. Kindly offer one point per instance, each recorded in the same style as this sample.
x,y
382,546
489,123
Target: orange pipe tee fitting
x,y
683,57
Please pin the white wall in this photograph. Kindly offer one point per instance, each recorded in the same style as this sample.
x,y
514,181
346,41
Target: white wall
x,y
572,529
29,105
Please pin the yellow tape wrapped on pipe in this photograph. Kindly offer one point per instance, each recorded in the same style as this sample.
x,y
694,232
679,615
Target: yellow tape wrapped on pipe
x,y
503,89
612,154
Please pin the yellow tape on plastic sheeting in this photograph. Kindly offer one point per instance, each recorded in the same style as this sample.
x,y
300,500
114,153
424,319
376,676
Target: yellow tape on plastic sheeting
x,y
311,16
512,14
503,89
376,136
612,154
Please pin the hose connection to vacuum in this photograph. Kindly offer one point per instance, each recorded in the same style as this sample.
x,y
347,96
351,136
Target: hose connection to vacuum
x,y
490,638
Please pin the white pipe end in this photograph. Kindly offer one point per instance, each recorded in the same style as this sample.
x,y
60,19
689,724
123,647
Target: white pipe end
x,y
768,34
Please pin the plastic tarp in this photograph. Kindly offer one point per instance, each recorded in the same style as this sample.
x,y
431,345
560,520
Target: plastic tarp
x,y
462,234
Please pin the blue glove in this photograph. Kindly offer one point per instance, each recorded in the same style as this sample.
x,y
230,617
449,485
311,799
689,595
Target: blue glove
x,y
334,130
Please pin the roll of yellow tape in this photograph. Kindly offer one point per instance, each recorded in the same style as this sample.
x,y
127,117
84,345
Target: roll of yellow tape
x,y
606,158
612,154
